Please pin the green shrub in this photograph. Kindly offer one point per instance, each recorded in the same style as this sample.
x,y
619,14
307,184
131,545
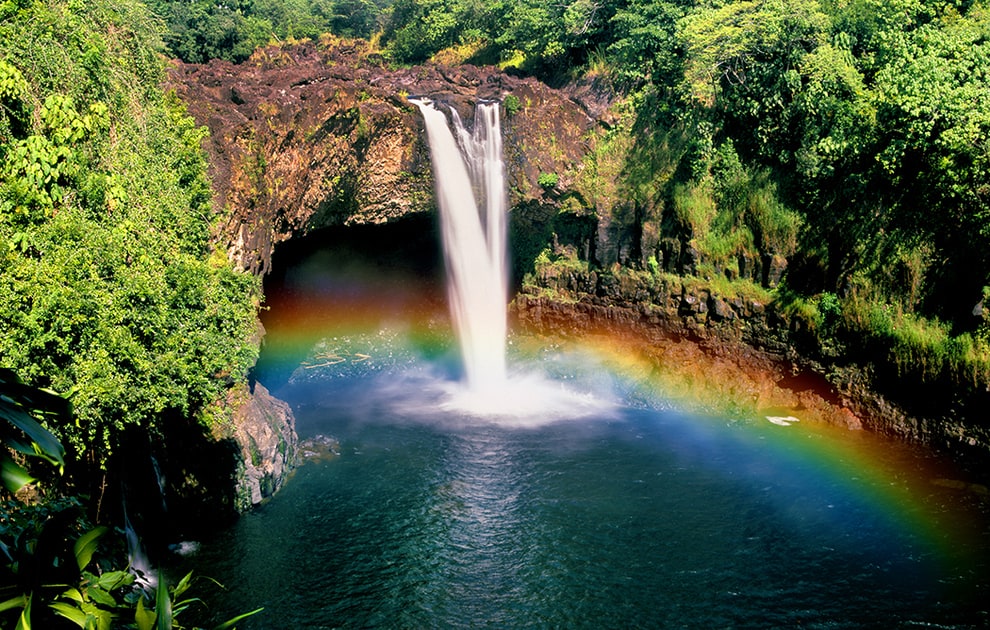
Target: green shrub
x,y
107,284
548,180
512,104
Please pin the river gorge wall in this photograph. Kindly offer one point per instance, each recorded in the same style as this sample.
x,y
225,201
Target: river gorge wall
x,y
314,135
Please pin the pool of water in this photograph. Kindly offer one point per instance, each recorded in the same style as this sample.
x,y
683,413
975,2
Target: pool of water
x,y
615,511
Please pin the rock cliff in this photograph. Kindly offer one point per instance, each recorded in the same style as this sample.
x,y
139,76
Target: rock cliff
x,y
733,339
321,134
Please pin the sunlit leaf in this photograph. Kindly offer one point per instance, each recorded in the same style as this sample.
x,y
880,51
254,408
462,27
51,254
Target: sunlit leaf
x,y
100,596
24,622
85,547
71,613
115,579
144,618
182,586
230,623
14,476
14,602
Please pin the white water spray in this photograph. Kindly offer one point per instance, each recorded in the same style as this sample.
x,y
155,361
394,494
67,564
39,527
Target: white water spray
x,y
469,176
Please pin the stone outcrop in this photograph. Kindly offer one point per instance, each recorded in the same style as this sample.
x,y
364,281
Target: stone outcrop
x,y
264,429
316,135
191,479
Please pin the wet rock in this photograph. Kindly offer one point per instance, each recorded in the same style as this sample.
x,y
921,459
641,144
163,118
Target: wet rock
x,y
264,428
720,310
773,269
690,260
319,448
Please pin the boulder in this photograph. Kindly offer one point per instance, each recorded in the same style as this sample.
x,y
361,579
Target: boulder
x,y
264,429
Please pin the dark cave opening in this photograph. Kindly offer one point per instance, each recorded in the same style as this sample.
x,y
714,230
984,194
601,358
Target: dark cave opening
x,y
347,278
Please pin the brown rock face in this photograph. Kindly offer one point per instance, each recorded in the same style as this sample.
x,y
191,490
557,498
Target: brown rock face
x,y
314,135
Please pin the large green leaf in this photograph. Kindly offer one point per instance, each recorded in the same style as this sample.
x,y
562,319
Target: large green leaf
x,y
85,547
144,618
49,446
14,475
163,605
14,602
115,579
24,622
71,613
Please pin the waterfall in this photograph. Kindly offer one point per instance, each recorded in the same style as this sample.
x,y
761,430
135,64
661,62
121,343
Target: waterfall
x,y
469,176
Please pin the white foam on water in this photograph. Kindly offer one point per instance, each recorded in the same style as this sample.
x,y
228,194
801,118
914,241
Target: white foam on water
x,y
783,421
524,401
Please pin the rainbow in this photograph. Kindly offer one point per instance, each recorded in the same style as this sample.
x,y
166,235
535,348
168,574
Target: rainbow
x,y
924,497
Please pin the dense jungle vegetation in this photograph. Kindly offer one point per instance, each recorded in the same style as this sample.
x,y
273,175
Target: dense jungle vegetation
x,y
110,295
850,138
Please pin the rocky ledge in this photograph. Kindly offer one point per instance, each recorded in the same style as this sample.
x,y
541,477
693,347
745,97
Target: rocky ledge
x,y
757,352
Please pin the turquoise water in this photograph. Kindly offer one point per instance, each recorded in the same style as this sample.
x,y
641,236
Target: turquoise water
x,y
628,515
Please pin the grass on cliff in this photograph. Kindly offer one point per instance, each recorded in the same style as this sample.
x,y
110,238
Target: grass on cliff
x,y
855,328
860,328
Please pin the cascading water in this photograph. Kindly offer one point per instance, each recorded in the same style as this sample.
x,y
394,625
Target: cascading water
x,y
470,185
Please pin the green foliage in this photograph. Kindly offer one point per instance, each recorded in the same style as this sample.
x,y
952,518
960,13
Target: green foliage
x,y
201,30
169,603
512,104
44,569
51,569
21,435
542,38
728,211
920,347
933,109
645,48
106,279
548,180
415,30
